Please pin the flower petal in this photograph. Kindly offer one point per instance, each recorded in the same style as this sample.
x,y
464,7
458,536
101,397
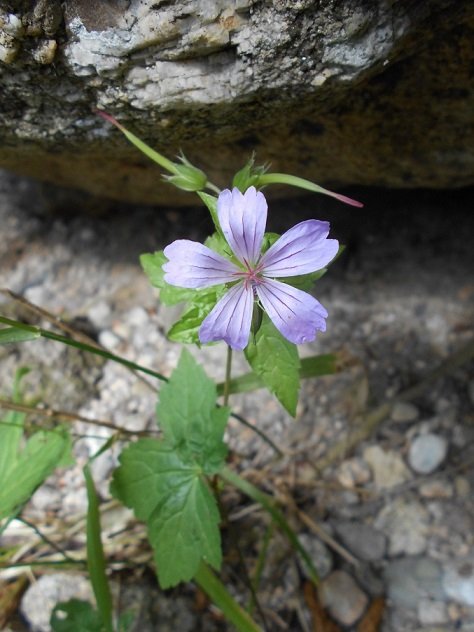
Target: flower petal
x,y
302,249
296,314
230,319
191,264
243,218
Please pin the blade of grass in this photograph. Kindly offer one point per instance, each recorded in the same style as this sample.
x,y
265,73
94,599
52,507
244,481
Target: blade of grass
x,y
269,504
95,554
219,594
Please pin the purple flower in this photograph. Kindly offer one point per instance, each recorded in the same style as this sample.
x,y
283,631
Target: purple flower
x,y
301,250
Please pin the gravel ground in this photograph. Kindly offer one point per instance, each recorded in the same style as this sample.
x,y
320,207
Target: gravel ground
x,y
390,522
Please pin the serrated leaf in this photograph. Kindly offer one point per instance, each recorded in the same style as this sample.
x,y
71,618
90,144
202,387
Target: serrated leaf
x,y
275,360
75,616
173,498
189,418
164,481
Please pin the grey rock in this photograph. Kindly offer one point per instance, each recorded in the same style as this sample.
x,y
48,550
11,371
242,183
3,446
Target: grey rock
x,y
343,598
427,452
41,597
458,581
406,525
409,580
363,540
291,80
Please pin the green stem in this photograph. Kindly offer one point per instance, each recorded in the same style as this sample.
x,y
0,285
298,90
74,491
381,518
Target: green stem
x,y
212,187
228,370
269,504
84,347
216,590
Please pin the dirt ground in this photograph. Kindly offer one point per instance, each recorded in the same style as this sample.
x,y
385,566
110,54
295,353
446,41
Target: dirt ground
x,y
376,478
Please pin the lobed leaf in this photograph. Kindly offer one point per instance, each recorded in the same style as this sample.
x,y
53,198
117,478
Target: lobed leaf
x,y
164,481
275,360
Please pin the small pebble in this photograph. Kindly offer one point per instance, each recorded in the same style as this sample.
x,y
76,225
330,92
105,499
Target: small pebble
x,y
411,579
41,597
108,339
388,467
436,489
343,598
403,412
353,472
432,612
458,581
427,452
406,525
362,540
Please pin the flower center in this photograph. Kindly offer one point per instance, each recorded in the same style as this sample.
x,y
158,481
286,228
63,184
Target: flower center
x,y
252,275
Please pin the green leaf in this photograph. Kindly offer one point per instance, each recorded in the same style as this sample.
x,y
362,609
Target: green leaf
x,y
173,498
21,472
40,457
95,554
11,431
275,360
75,616
169,294
186,329
189,418
164,481
12,334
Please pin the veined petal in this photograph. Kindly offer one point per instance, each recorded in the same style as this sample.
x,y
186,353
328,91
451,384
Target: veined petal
x,y
296,314
230,319
302,249
243,218
193,265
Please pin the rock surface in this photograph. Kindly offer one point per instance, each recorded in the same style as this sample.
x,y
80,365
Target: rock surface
x,y
357,92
